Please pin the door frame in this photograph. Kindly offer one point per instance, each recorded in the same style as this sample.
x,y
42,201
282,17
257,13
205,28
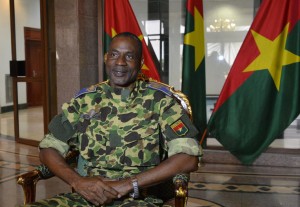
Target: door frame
x,y
46,88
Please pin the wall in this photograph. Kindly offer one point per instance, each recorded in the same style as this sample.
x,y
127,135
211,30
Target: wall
x,y
5,49
176,19
76,47
27,14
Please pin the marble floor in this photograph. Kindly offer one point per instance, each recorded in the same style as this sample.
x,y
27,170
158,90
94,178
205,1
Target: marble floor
x,y
16,159
213,185
30,123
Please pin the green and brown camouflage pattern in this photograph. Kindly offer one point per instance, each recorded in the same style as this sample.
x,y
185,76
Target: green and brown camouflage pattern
x,y
121,132
75,200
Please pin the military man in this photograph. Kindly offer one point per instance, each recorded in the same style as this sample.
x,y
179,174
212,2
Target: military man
x,y
130,135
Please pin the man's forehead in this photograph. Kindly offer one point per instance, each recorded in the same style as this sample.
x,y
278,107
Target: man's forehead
x,y
123,40
122,50
119,44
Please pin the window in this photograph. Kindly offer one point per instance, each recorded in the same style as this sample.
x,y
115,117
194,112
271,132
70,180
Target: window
x,y
226,25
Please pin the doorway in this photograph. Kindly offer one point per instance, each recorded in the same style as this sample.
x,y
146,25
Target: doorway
x,y
28,43
34,66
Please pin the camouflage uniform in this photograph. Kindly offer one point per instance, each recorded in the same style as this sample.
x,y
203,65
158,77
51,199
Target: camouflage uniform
x,y
122,132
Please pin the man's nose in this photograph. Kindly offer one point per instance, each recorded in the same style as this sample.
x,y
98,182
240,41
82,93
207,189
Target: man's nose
x,y
121,60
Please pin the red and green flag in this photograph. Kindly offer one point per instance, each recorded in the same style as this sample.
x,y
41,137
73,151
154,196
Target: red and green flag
x,y
193,71
261,96
119,17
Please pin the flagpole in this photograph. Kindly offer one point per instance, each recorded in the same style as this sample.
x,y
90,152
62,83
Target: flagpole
x,y
203,136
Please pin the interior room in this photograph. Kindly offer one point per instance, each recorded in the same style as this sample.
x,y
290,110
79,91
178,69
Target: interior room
x,y
55,44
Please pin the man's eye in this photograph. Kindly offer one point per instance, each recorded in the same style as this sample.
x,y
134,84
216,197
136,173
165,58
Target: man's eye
x,y
113,55
129,57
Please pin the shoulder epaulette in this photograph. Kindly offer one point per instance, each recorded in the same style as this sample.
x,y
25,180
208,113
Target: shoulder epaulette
x,y
160,87
90,89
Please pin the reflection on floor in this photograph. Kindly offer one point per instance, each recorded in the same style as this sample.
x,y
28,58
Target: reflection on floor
x,y
213,185
16,159
30,123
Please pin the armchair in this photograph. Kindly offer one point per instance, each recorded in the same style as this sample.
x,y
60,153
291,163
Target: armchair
x,y
29,180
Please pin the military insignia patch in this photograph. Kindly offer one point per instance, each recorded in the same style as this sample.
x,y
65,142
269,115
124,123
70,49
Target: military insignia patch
x,y
179,128
86,90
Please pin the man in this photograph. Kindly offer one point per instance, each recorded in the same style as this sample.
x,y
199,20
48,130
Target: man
x,y
125,131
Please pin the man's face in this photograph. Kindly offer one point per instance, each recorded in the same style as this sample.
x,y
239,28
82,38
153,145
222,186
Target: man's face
x,y
123,62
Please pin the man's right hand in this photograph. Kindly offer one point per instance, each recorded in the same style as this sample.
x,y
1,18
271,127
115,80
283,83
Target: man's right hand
x,y
95,190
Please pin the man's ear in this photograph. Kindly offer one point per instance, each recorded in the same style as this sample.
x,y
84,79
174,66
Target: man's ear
x,y
105,57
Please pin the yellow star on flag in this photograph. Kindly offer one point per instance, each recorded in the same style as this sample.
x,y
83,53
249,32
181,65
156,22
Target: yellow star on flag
x,y
273,55
113,32
196,38
144,66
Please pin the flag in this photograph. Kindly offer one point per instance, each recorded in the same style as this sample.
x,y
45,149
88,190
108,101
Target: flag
x,y
119,17
193,70
261,96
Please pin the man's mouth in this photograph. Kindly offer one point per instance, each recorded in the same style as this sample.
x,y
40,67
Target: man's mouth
x,y
119,73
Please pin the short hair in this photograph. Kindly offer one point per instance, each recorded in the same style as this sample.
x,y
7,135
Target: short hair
x,y
133,37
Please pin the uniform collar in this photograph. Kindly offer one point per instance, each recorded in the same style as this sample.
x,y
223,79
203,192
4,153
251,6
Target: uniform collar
x,y
123,94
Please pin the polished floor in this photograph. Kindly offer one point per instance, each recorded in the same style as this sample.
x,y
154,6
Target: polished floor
x,y
274,181
30,123
212,185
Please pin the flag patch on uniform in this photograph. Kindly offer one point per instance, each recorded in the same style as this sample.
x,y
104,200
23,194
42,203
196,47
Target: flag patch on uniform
x,y
179,128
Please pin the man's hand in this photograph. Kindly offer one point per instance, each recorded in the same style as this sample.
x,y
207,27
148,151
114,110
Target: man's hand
x,y
124,187
95,190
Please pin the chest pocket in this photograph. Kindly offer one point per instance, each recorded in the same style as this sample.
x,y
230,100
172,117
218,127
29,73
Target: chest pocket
x,y
93,138
138,146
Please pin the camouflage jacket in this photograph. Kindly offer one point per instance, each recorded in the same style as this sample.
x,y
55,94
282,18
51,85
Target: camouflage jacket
x,y
121,132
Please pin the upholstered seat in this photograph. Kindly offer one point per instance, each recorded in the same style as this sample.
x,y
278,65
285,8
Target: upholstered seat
x,y
29,180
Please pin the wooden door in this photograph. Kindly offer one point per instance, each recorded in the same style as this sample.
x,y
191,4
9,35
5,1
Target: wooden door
x,y
34,66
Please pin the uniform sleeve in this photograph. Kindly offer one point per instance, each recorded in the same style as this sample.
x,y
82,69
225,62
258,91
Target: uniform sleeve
x,y
49,141
179,131
187,145
71,111
59,142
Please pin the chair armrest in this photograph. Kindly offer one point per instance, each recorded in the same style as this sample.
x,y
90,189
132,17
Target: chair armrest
x,y
181,189
29,180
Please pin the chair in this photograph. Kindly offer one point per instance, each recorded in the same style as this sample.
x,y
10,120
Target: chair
x,y
29,180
